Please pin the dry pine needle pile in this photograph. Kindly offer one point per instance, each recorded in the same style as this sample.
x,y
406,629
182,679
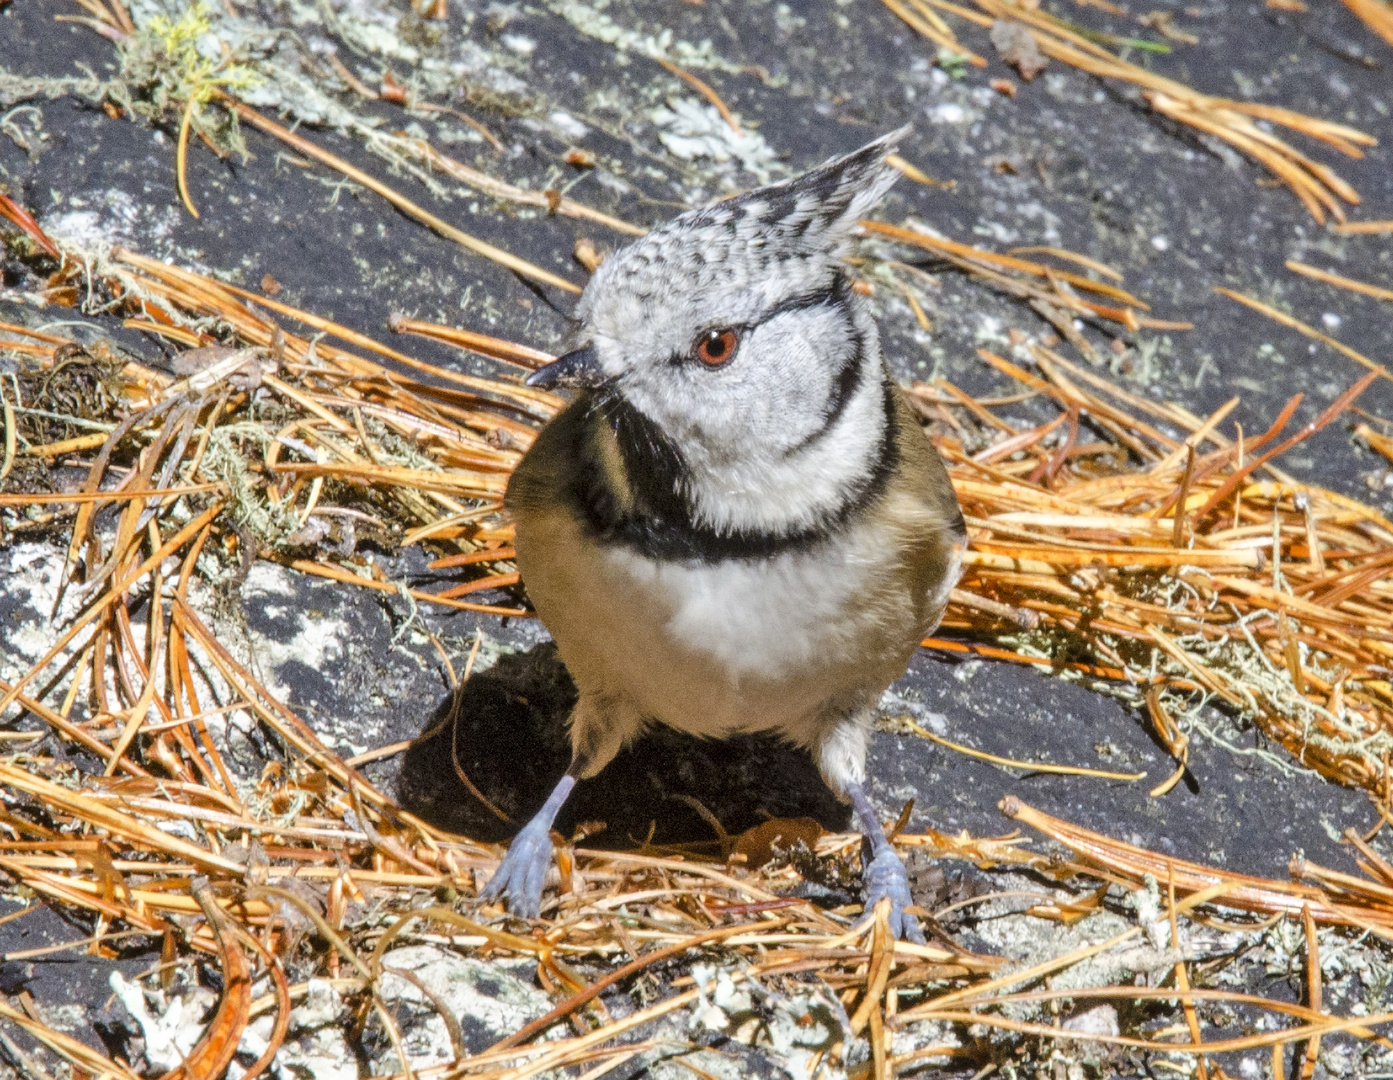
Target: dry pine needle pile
x,y
1129,541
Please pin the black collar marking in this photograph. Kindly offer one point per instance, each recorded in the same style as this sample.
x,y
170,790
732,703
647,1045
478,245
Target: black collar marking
x,y
661,524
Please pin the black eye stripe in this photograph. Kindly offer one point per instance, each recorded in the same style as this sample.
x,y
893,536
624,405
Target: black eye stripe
x,y
832,294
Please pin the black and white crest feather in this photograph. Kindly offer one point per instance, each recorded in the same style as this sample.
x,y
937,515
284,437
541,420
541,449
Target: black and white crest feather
x,y
779,240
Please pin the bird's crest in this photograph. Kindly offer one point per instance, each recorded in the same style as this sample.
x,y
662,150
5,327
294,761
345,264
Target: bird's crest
x,y
818,210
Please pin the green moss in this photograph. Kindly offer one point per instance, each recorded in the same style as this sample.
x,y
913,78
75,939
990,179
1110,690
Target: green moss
x,y
163,63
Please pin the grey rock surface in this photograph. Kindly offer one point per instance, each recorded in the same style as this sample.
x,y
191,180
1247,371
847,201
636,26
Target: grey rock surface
x,y
1070,161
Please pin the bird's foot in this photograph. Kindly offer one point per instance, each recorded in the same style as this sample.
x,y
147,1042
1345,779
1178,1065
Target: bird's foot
x,y
886,878
523,871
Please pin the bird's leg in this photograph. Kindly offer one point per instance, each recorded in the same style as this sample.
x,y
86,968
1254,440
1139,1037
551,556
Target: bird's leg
x,y
524,869
885,874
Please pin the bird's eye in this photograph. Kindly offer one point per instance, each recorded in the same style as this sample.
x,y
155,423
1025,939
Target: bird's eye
x,y
715,347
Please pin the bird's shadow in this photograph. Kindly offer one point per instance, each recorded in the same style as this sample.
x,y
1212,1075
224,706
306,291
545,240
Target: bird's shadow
x,y
488,758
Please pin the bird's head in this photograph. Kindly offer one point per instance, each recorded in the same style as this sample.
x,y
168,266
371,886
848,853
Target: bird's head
x,y
733,329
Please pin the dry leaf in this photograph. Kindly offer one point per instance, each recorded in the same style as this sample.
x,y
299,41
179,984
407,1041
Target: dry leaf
x,y
1017,46
764,841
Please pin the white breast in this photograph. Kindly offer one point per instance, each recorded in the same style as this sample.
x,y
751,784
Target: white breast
x,y
783,643
758,620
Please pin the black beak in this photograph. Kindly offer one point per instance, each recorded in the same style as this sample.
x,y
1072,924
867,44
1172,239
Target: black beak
x,y
579,368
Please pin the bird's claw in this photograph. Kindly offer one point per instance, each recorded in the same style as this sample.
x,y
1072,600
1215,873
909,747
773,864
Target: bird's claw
x,y
523,872
886,878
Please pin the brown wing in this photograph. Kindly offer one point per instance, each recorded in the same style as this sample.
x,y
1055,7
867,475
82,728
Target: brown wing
x,y
922,500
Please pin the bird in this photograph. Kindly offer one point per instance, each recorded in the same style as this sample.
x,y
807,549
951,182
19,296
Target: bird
x,y
737,524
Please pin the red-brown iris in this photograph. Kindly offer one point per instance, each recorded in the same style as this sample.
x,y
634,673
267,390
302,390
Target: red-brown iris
x,y
715,347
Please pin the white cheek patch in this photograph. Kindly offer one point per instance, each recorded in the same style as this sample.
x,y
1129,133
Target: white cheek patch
x,y
791,365
770,490
773,395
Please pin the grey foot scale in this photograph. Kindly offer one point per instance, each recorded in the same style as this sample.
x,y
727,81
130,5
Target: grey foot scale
x,y
886,877
523,871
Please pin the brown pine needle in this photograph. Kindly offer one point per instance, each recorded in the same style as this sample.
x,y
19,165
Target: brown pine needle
x,y
1012,763
350,80
26,348
933,28
11,211
183,536
488,136
495,581
181,154
704,90
1330,1026
1354,228
1182,979
401,202
1175,741
473,341
1241,891
173,333
1377,15
1336,279
571,1004
348,577
1310,331
7,417
1069,256
390,750
1318,187
63,446
952,247
1061,550
226,304
975,17
551,200
1145,322
24,331
1313,989
913,172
